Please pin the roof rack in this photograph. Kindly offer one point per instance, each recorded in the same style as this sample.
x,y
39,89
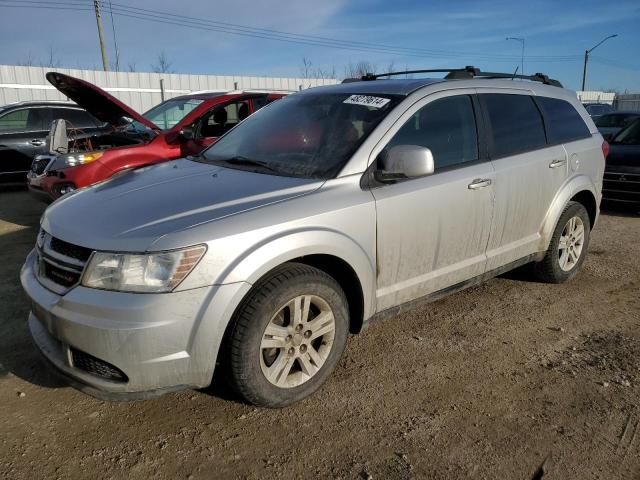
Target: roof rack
x,y
467,72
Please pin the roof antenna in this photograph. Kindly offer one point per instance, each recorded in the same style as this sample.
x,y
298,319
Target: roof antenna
x,y
515,72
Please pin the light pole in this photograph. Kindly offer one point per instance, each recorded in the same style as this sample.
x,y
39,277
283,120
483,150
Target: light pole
x,y
521,40
586,57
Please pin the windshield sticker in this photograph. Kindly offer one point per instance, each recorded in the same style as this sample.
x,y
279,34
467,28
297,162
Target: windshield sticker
x,y
367,101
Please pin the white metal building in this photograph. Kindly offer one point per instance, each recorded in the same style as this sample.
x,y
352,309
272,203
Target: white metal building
x,y
139,90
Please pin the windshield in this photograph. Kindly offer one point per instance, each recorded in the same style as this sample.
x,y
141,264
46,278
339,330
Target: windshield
x,y
169,113
308,135
614,120
630,135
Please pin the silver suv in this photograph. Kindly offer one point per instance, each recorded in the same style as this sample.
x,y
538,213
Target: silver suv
x,y
321,212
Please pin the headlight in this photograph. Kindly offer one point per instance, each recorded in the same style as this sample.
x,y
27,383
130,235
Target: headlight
x,y
146,273
75,159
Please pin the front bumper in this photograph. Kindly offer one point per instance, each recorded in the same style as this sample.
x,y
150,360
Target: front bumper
x,y
162,342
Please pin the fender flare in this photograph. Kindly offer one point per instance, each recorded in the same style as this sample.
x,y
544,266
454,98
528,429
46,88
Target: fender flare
x,y
271,252
569,190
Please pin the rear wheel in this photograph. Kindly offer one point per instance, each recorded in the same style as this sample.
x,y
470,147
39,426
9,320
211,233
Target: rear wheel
x,y
287,336
568,247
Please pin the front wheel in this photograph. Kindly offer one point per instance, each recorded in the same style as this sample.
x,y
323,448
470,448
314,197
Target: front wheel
x,y
568,246
287,336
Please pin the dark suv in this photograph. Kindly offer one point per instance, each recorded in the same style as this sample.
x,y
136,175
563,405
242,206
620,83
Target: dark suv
x,y
24,127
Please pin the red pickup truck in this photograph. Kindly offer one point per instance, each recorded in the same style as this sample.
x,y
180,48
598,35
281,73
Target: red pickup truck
x,y
173,129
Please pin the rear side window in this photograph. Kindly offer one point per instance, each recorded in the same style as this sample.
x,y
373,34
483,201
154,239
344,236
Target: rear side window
x,y
77,118
516,123
563,122
447,127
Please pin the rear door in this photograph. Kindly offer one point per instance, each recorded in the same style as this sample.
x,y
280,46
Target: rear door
x,y
529,172
432,231
22,136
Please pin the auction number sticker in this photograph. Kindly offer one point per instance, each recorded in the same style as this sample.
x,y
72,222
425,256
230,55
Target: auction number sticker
x,y
367,101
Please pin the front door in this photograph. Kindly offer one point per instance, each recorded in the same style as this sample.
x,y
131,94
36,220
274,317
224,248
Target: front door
x,y
432,232
22,136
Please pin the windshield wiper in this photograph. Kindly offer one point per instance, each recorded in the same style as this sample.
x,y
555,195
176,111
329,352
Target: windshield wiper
x,y
240,160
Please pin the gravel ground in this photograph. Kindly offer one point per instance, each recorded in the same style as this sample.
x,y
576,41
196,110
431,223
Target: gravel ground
x,y
487,383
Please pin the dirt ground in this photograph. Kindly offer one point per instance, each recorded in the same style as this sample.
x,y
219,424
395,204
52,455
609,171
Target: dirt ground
x,y
487,383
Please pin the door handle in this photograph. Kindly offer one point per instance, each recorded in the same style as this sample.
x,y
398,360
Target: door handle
x,y
557,163
479,183
37,142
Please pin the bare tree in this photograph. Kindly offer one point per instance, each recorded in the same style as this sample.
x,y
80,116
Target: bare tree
x,y
406,69
325,72
132,67
163,65
27,61
53,61
391,66
357,70
305,69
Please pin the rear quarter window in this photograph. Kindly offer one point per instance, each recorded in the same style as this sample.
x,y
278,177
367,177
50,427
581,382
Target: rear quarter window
x,y
562,121
516,123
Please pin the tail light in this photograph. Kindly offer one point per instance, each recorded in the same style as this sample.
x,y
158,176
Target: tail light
x,y
605,148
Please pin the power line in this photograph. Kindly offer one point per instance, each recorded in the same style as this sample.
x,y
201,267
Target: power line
x,y
234,29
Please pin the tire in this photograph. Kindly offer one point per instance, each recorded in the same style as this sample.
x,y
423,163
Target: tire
x,y
558,265
280,369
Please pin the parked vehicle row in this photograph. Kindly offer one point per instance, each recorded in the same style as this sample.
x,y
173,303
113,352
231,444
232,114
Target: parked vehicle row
x,y
622,172
176,128
323,211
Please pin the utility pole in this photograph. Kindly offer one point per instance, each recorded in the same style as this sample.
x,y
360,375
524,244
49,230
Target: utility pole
x,y
103,51
586,58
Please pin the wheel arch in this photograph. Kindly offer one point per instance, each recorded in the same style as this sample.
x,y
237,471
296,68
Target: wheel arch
x,y
579,189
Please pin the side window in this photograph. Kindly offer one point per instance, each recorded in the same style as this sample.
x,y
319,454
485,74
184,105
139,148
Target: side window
x,y
77,118
223,118
563,122
259,102
447,127
25,120
516,123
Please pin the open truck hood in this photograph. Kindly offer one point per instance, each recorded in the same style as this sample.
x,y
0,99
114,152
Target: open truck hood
x,y
96,101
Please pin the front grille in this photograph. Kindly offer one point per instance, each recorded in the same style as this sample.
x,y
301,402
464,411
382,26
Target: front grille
x,y
70,250
95,366
622,187
60,276
60,263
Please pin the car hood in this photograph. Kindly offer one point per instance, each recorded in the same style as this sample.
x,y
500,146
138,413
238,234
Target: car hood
x,y
96,101
130,212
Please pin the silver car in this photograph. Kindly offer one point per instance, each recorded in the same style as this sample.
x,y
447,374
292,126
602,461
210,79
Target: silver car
x,y
323,211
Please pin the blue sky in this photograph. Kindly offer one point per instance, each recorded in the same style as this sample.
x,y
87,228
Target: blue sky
x,y
441,33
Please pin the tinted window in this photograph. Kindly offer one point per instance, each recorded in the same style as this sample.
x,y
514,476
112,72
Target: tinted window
x,y
563,122
630,135
77,118
516,124
598,109
24,120
616,120
447,127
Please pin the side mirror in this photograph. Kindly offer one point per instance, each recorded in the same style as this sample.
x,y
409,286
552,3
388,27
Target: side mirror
x,y
186,133
404,161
